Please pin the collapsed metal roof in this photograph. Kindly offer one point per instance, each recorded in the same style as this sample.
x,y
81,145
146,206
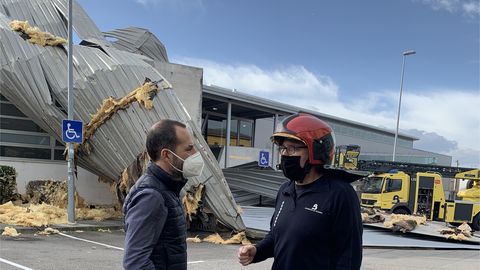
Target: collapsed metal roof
x,y
254,180
33,78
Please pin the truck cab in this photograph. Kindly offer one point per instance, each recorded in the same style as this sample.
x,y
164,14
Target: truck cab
x,y
401,193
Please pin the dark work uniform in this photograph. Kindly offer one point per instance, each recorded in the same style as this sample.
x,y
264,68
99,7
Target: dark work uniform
x,y
155,225
316,226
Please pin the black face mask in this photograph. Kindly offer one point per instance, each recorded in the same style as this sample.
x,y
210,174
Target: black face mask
x,y
292,170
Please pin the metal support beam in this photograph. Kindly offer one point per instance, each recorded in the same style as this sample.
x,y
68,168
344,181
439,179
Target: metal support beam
x,y
227,141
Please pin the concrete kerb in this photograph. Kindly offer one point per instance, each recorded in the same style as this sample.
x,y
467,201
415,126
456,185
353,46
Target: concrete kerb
x,y
81,225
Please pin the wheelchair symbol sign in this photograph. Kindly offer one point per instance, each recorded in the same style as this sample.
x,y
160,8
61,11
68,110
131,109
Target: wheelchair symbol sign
x,y
263,159
72,131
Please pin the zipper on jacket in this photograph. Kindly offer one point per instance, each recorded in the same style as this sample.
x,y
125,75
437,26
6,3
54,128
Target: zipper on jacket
x,y
278,214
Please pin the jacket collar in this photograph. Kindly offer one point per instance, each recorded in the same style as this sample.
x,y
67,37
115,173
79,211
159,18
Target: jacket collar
x,y
165,178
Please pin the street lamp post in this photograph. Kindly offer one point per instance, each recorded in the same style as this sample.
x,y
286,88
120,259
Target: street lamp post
x,y
405,54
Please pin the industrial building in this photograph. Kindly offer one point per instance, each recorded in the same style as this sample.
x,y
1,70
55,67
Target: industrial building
x,y
37,155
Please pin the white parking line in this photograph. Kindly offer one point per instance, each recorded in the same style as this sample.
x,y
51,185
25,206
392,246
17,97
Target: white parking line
x,y
15,264
105,245
89,241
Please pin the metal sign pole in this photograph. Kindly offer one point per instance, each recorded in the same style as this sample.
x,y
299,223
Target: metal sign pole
x,y
71,153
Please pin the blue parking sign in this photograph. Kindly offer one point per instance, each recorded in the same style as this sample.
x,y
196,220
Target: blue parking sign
x,y
72,131
263,158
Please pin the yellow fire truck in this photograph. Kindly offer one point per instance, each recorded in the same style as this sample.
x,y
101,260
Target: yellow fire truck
x,y
407,191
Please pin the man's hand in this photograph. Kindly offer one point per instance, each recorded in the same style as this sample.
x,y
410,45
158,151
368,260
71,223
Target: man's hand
x,y
246,254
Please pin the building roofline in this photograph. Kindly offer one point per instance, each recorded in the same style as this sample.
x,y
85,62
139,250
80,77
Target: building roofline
x,y
285,109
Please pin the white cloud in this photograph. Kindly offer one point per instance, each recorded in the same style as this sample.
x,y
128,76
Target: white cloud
x,y
449,114
467,7
279,83
471,8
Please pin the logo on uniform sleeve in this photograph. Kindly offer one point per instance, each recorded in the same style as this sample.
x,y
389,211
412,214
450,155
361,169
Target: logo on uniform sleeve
x,y
314,209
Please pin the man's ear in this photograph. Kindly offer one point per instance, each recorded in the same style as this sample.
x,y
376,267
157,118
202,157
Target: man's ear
x,y
164,153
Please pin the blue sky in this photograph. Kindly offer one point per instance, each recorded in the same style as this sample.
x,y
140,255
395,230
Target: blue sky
x,y
338,57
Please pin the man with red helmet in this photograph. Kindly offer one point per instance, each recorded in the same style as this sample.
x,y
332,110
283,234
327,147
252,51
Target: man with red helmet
x,y
317,222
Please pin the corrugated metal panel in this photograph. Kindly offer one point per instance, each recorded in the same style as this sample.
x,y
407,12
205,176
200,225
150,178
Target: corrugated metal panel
x,y
257,220
33,77
245,198
249,177
134,39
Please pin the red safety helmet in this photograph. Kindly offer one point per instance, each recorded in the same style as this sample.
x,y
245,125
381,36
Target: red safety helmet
x,y
316,134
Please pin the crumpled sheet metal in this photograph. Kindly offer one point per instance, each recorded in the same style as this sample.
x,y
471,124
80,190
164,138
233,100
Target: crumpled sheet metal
x,y
33,78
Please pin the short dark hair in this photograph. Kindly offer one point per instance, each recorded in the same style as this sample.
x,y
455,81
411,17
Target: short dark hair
x,y
162,135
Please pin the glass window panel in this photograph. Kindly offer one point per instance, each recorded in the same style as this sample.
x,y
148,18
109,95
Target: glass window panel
x,y
246,133
57,143
10,109
216,132
58,154
3,98
24,152
26,139
19,124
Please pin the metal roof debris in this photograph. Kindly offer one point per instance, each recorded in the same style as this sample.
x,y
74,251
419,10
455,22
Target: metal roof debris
x,y
33,78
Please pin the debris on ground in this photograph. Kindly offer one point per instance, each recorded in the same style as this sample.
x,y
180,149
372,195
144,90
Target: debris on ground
x,y
9,231
38,215
462,232
35,36
214,239
51,192
49,231
239,238
194,239
370,215
104,230
404,223
397,217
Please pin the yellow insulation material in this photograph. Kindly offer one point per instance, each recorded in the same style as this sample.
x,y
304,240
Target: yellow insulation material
x,y
399,217
110,106
191,200
194,240
462,232
52,192
239,238
35,35
9,231
214,238
37,215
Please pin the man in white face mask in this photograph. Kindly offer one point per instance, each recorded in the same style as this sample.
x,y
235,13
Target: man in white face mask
x,y
155,226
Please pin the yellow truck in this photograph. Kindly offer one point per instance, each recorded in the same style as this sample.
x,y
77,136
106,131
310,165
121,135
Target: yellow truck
x,y
422,193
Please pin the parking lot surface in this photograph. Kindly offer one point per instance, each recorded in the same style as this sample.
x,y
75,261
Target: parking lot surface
x,y
104,250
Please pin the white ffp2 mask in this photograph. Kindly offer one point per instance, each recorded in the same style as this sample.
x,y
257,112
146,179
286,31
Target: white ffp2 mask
x,y
192,165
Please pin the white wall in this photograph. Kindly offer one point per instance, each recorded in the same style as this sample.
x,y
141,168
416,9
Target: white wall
x,y
87,185
240,155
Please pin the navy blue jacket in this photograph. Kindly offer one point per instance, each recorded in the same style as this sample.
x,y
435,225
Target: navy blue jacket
x,y
155,225
321,229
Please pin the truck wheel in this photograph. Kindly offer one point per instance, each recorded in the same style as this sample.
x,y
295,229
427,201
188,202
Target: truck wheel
x,y
476,222
401,211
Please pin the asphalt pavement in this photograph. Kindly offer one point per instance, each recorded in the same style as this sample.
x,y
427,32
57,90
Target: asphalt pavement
x,y
102,248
